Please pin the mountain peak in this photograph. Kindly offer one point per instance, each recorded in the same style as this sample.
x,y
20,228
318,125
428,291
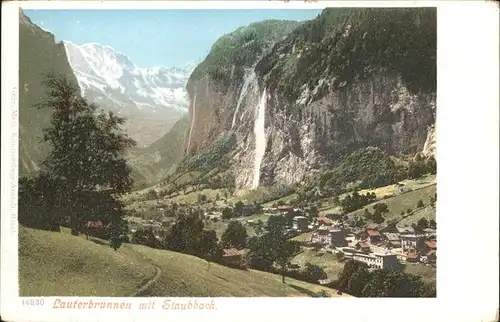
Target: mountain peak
x,y
108,73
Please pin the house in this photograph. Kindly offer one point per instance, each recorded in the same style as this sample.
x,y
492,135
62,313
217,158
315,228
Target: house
x,y
284,209
333,236
393,240
300,223
412,242
337,236
232,257
320,236
412,257
350,239
430,232
405,230
363,246
95,228
248,210
430,245
324,221
371,226
427,251
372,235
429,257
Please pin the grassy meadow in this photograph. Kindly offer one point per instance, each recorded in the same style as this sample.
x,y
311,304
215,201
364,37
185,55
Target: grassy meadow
x,y
52,263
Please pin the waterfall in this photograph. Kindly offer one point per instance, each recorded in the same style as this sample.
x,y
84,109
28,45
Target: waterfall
x,y
248,79
192,122
260,138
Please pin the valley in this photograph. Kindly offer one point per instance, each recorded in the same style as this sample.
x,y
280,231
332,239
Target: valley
x,y
298,158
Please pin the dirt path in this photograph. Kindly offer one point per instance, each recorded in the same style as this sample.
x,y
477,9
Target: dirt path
x,y
149,283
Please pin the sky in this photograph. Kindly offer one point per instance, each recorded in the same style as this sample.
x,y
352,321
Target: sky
x,y
155,37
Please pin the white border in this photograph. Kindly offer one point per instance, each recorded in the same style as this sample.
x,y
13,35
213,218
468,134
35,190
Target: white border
x,y
467,105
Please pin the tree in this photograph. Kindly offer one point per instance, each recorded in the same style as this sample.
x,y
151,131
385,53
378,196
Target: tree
x,y
313,212
314,272
210,249
432,224
276,224
87,155
285,250
238,208
39,203
423,223
227,213
381,207
367,214
234,236
202,198
358,280
420,203
289,217
151,194
431,165
118,233
350,267
377,217
185,234
146,237
408,211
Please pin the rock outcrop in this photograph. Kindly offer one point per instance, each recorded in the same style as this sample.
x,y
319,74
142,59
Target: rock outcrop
x,y
350,78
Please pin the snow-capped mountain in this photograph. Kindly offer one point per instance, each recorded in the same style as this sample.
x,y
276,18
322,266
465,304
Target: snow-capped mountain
x,y
113,81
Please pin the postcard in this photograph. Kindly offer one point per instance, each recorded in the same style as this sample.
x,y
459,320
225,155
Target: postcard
x,y
234,160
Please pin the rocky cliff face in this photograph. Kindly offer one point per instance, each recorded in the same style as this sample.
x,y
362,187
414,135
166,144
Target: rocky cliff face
x,y
347,79
39,54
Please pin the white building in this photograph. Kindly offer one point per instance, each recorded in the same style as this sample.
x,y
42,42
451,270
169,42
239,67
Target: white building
x,y
333,236
300,223
373,260
376,260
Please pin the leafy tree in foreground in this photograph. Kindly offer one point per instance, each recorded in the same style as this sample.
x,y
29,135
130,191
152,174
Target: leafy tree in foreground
x,y
39,203
210,249
87,154
234,236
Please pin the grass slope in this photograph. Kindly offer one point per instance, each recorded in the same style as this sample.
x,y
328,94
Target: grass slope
x,y
59,264
184,275
402,202
332,267
53,263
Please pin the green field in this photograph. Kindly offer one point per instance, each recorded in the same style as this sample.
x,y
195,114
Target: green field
x,y
52,263
427,212
332,267
402,202
428,273
305,237
221,226
328,207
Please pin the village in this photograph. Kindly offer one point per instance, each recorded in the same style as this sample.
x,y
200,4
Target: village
x,y
379,246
